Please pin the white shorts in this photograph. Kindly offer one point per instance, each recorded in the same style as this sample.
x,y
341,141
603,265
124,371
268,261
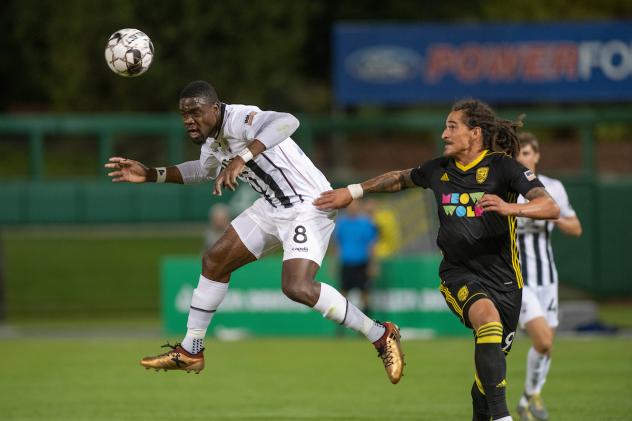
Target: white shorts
x,y
302,230
539,301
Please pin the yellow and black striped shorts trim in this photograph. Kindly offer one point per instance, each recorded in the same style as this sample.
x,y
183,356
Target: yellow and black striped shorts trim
x,y
451,300
490,333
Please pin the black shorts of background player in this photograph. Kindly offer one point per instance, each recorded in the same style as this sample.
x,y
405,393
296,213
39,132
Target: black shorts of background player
x,y
475,183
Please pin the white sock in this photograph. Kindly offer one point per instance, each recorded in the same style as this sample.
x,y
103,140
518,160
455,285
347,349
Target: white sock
x,y
334,306
537,369
206,299
545,372
507,418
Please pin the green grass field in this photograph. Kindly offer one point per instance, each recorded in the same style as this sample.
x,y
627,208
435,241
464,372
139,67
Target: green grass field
x,y
285,379
62,283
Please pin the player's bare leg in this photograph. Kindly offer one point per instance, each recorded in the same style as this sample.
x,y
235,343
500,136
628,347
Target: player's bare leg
x,y
299,285
219,261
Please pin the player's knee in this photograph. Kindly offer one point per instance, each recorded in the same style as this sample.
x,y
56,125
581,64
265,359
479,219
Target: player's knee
x,y
293,291
483,312
302,291
212,266
544,345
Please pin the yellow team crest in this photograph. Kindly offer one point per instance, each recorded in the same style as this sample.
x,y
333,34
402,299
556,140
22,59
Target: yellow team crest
x,y
445,177
481,174
463,293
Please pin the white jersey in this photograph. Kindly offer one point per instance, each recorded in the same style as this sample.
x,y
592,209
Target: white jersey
x,y
534,239
283,175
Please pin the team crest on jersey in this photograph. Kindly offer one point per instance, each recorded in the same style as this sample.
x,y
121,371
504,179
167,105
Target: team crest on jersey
x,y
445,177
222,144
481,174
463,293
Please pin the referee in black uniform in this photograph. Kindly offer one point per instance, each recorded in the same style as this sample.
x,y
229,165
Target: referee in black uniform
x,y
476,184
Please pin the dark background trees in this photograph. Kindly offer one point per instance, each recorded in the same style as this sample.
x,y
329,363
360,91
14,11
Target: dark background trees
x,y
275,53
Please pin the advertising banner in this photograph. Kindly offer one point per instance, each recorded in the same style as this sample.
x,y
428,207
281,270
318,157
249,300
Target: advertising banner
x,y
406,293
417,64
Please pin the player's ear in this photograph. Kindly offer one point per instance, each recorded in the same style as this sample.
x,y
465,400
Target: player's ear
x,y
476,131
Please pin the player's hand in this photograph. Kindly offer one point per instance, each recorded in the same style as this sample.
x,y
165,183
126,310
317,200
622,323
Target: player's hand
x,y
333,199
493,203
228,176
127,170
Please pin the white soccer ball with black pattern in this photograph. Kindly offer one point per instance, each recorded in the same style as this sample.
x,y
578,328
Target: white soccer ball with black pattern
x,y
129,52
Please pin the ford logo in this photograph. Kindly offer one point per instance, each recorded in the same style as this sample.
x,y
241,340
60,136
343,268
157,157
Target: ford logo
x,y
384,64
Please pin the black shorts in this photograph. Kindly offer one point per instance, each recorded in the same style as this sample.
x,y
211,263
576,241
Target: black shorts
x,y
461,289
354,277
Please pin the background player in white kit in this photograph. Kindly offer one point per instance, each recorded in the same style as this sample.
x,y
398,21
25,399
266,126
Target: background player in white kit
x,y
242,141
538,315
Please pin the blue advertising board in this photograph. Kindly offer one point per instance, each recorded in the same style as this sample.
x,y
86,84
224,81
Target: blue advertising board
x,y
416,64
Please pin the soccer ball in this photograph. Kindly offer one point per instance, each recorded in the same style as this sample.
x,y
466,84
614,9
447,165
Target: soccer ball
x,y
129,52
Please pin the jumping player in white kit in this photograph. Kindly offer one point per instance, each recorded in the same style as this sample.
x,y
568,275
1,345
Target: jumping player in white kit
x,y
243,142
539,312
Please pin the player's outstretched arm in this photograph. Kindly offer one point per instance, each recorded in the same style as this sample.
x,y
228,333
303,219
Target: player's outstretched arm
x,y
540,206
390,182
130,171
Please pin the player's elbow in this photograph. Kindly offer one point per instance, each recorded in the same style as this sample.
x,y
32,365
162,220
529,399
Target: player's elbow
x,y
293,123
577,230
553,210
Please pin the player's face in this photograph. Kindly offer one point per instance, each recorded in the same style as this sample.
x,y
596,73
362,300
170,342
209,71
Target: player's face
x,y
528,157
457,137
200,118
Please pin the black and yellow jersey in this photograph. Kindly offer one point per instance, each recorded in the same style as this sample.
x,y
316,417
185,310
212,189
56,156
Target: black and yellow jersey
x,y
483,243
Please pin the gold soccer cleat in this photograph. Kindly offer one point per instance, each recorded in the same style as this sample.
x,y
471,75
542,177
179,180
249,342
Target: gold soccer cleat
x,y
537,408
390,351
525,415
176,359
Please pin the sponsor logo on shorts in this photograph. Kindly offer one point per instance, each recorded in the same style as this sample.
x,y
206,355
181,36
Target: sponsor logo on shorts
x,y
463,293
305,249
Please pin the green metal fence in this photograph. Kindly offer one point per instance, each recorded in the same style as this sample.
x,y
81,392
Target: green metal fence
x,y
406,291
107,126
595,262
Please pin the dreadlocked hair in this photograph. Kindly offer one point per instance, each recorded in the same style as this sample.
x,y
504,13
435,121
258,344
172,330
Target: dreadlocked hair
x,y
498,135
